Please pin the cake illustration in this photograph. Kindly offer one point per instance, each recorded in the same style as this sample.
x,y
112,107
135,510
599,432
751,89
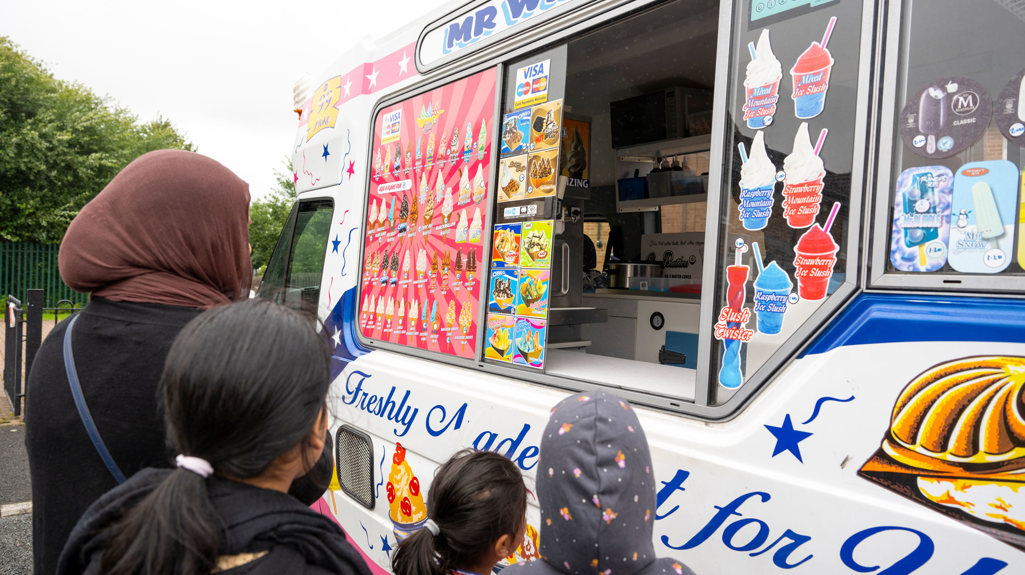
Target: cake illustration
x,y
405,500
956,444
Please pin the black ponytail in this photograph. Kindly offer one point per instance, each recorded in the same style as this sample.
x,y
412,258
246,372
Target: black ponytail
x,y
243,385
476,497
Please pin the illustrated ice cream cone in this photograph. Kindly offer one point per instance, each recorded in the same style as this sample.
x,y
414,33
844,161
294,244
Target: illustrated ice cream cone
x,y
761,85
814,261
414,314
757,186
457,268
430,151
476,226
468,143
465,318
446,264
414,216
802,185
389,311
482,139
421,264
382,272
462,228
450,321
405,499
403,214
465,188
372,217
419,154
406,266
471,267
479,186
400,318
434,266
434,317
393,269
364,311
446,209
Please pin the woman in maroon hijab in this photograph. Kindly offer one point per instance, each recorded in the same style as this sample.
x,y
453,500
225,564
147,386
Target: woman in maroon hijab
x,y
167,238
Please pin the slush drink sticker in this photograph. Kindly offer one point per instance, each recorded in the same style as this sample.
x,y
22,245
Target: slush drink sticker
x,y
529,340
545,126
921,219
810,76
499,337
802,182
515,132
947,116
542,173
502,295
505,250
761,83
536,246
772,294
1009,109
512,179
730,326
532,293
757,185
814,258
982,217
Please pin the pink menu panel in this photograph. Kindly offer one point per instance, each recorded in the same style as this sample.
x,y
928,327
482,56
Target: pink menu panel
x,y
421,281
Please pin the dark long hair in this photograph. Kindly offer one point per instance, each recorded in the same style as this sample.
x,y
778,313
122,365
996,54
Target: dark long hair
x,y
475,498
243,384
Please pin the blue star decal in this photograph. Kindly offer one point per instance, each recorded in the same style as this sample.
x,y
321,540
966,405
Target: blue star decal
x,y
787,438
326,153
335,243
385,546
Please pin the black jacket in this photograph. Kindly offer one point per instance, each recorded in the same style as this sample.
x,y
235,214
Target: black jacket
x,y
297,539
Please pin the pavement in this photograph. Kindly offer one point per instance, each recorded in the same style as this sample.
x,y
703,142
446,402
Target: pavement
x,y
15,501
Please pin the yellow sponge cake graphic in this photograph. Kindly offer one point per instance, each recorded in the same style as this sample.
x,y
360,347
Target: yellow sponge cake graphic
x,y
405,500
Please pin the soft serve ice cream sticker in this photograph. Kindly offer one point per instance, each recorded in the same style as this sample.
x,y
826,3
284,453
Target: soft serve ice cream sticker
x,y
1009,109
761,84
802,182
945,117
757,184
982,217
921,219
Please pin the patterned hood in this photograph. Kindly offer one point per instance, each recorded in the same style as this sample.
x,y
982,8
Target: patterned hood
x,y
596,491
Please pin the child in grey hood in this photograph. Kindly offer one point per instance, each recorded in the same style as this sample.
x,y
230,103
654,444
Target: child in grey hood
x,y
597,493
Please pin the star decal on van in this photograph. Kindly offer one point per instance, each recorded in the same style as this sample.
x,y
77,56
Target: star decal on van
x,y
788,438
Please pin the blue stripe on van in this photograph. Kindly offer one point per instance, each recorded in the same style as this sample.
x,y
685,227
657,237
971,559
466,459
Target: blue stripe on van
x,y
343,318
886,318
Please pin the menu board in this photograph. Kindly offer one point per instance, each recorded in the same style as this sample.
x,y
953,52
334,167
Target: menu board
x,y
421,283
519,281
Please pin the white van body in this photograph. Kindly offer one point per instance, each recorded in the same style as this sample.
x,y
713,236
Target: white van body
x,y
805,467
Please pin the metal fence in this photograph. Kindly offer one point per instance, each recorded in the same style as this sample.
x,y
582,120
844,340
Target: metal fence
x,y
23,334
25,266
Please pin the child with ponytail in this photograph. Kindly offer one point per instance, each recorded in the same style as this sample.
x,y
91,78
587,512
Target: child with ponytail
x,y
243,392
476,515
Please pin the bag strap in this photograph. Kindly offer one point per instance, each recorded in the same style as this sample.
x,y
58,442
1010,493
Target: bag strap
x,y
83,409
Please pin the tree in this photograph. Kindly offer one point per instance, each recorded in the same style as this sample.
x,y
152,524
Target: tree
x,y
269,214
60,145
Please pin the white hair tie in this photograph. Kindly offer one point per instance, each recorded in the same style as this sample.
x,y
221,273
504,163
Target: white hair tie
x,y
431,526
197,465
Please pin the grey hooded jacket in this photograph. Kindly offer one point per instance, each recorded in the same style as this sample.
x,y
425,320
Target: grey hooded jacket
x,y
597,493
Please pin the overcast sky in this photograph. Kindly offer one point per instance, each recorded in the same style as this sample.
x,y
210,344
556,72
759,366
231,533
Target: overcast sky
x,y
222,71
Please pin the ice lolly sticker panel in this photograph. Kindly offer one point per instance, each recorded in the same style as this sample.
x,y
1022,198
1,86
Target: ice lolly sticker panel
x,y
536,245
761,83
500,337
515,133
505,249
545,126
532,293
1009,109
946,117
921,219
982,217
529,338
421,283
512,179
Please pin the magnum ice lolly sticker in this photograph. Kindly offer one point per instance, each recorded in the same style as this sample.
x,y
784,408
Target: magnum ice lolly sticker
x,y
982,217
945,117
921,219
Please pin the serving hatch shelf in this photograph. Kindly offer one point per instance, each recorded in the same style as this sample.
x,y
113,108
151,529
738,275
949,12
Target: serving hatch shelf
x,y
646,196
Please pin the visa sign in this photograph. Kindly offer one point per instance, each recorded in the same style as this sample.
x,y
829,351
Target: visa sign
x,y
493,17
532,84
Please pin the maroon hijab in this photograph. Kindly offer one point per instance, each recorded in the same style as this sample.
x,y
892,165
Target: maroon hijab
x,y
171,228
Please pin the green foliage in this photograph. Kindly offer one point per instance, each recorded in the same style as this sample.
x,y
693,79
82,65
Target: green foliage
x,y
60,145
269,214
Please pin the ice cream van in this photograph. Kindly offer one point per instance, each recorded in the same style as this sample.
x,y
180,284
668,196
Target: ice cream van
x,y
790,233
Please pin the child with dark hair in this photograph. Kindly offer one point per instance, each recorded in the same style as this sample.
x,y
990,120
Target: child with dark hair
x,y
476,515
597,493
243,391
